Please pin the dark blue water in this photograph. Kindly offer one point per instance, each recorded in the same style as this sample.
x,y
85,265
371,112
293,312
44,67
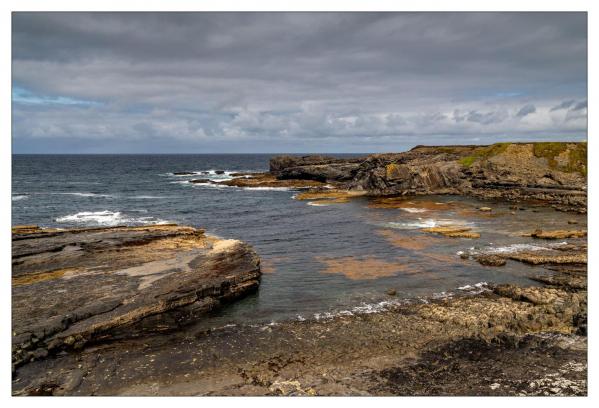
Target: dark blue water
x,y
316,259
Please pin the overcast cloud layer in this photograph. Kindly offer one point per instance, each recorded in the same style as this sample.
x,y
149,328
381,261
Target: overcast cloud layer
x,y
294,82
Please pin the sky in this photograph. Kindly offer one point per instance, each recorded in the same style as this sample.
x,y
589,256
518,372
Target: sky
x,y
294,82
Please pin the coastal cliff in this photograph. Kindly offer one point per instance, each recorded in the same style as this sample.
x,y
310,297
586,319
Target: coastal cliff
x,y
553,172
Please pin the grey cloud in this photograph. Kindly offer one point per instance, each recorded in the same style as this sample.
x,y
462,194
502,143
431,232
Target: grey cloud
x,y
526,110
563,105
303,81
580,106
485,118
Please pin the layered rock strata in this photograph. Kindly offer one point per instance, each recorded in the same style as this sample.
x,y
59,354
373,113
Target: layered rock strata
x,y
80,286
553,173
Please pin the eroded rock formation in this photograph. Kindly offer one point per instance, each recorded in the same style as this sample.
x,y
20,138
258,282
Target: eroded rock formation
x,y
73,287
554,173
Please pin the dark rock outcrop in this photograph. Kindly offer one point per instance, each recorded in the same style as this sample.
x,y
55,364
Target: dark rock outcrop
x,y
554,173
80,286
319,168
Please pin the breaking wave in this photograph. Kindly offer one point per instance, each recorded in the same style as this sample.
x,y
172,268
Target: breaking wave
x,y
414,210
107,218
385,305
513,248
87,195
427,223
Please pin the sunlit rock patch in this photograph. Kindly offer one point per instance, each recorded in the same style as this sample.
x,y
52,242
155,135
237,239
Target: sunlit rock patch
x,y
327,197
453,231
411,204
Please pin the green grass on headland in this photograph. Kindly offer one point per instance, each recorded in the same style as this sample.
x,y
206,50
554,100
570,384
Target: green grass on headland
x,y
484,152
577,156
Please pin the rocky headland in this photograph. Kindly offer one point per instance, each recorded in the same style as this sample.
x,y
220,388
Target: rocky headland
x,y
553,173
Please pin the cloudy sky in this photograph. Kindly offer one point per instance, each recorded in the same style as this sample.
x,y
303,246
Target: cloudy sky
x,y
294,82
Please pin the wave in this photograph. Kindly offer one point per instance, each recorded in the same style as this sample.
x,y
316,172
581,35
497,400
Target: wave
x,y
513,248
269,188
87,195
147,197
19,197
211,174
414,210
476,288
427,223
385,305
107,218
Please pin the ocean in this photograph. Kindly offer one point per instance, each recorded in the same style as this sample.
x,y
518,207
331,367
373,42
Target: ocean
x,y
317,261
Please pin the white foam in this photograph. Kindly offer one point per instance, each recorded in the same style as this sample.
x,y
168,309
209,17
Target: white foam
x,y
414,210
107,218
147,197
385,305
364,308
19,197
442,295
476,288
268,188
425,223
77,194
513,248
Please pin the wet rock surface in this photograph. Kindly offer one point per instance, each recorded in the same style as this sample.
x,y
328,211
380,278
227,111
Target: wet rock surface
x,y
270,181
507,341
507,365
72,288
453,232
558,234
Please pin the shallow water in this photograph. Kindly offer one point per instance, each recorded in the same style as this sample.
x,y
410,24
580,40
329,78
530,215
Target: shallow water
x,y
316,259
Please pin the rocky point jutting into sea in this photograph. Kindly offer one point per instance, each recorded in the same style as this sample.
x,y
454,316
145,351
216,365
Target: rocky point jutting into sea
x,y
114,310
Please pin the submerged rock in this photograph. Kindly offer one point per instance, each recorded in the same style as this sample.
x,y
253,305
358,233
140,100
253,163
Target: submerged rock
x,y
491,260
453,232
266,180
327,196
558,234
550,257
74,287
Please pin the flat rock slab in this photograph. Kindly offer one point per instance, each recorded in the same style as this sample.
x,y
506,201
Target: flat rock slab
x,y
72,287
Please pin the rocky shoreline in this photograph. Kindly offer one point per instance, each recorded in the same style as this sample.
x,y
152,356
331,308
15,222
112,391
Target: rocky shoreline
x,y
78,287
111,311
551,173
493,343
